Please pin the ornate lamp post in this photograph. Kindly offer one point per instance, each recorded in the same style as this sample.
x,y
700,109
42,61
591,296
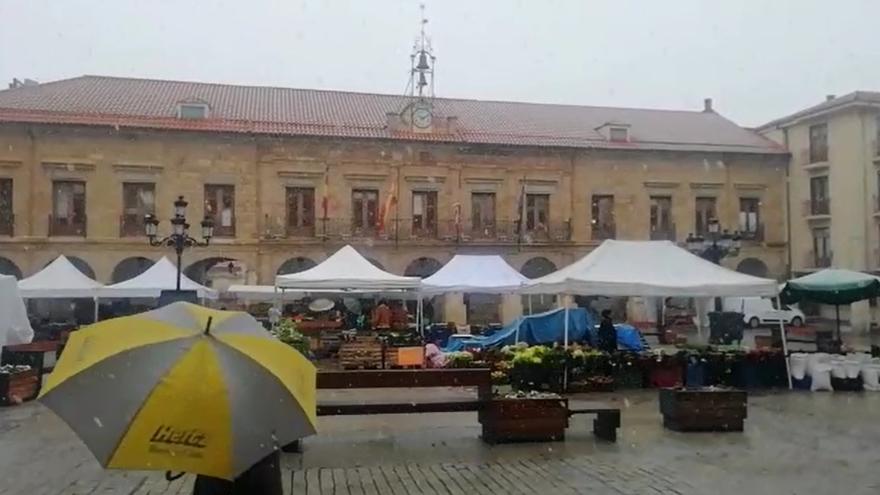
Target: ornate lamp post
x,y
179,238
717,245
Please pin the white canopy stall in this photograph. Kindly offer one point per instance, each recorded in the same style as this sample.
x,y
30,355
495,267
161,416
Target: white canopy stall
x,y
651,268
347,271
150,284
60,279
483,274
15,328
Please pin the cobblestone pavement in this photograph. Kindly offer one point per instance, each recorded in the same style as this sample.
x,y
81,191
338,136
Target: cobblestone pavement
x,y
794,443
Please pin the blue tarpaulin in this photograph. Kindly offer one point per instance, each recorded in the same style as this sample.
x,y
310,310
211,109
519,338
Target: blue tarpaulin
x,y
542,328
549,328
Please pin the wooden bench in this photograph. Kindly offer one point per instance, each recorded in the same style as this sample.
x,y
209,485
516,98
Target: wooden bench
x,y
607,418
349,380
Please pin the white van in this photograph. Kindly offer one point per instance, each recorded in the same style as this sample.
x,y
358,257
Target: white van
x,y
759,311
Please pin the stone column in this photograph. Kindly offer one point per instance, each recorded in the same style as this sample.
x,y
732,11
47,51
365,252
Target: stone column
x,y
860,316
511,308
454,309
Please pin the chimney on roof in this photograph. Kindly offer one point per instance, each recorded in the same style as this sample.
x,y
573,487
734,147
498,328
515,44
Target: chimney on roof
x,y
830,97
18,83
707,105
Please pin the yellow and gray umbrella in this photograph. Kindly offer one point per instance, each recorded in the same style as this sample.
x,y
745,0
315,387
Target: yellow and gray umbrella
x,y
182,388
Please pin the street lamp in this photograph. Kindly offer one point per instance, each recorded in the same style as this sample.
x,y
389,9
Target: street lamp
x,y
717,245
179,238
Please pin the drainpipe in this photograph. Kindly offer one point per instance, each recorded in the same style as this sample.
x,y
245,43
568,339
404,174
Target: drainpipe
x,y
787,205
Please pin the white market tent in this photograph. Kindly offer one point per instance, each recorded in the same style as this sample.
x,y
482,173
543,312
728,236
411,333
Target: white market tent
x,y
269,293
15,328
649,268
150,284
346,270
59,279
483,274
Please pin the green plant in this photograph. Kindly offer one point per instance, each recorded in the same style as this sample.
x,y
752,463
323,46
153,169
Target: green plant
x,y
460,359
286,332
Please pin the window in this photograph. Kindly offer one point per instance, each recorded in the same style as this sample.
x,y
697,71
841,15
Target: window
x,y
661,218
301,211
220,206
7,219
602,218
364,210
537,212
750,217
424,213
483,214
192,111
819,203
818,143
821,248
618,134
138,200
68,208
705,211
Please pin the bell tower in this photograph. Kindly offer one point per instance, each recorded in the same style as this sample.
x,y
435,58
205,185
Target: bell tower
x,y
418,115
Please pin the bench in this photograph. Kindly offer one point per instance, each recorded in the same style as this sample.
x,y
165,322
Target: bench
x,y
607,418
348,380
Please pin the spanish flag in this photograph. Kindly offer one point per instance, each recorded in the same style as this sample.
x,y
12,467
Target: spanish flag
x,y
385,210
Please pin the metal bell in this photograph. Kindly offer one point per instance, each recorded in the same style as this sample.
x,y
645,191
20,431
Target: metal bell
x,y
423,61
422,80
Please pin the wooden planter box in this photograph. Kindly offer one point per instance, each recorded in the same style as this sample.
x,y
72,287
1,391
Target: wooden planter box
x,y
524,420
703,409
19,387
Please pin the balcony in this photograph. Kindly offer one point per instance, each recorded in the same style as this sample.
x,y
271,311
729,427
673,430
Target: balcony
x,y
67,227
817,207
300,231
7,224
445,231
819,260
600,232
754,234
663,233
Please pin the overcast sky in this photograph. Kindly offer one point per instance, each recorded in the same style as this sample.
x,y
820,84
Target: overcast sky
x,y
758,59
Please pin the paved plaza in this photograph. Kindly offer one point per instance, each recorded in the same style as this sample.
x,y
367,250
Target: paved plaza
x,y
794,443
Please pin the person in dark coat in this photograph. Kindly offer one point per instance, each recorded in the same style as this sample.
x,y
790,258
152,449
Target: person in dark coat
x,y
607,333
262,478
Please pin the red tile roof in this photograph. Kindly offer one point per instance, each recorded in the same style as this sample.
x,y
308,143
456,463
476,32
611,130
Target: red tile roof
x,y
152,104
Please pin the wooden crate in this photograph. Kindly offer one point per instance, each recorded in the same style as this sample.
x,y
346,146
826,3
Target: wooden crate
x,y
363,352
703,409
524,420
19,387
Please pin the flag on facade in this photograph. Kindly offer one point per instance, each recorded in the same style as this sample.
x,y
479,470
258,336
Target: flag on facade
x,y
325,200
385,210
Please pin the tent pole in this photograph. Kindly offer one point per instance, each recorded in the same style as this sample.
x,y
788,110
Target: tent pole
x,y
784,344
96,309
837,312
565,368
530,304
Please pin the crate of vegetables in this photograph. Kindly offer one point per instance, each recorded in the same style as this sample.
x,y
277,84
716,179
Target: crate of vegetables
x,y
18,383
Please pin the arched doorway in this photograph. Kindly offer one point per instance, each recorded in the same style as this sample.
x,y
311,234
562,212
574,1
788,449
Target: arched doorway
x,y
8,267
753,266
425,267
295,265
534,268
201,271
130,268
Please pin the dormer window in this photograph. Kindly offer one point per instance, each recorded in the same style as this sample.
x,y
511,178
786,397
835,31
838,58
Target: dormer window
x,y
618,134
192,111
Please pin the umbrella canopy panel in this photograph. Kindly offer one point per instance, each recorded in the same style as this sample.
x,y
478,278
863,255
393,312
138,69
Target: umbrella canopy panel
x,y
832,286
182,388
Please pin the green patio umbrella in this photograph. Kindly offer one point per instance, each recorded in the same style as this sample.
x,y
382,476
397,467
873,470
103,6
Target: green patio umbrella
x,y
832,286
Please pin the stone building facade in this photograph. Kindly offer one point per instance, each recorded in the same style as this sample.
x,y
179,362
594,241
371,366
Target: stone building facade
x,y
81,178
